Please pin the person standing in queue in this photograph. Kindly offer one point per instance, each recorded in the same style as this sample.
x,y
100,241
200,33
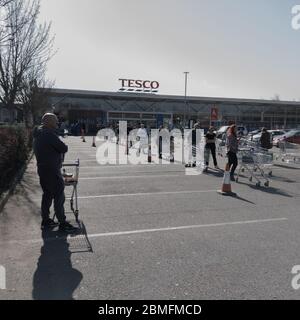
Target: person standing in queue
x,y
160,142
83,131
94,131
265,139
143,138
232,149
194,143
49,151
210,147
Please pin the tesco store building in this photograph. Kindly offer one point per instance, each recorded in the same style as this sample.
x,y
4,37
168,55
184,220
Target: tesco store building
x,y
138,101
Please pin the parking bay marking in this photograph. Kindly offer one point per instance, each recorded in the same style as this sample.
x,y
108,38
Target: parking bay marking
x,y
141,231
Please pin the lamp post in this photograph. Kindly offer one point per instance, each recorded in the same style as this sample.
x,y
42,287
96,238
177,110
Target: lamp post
x,y
59,101
185,102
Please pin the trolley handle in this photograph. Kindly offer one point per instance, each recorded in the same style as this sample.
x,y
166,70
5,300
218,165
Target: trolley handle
x,y
74,164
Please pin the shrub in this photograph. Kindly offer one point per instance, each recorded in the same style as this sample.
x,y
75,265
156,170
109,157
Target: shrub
x,y
15,144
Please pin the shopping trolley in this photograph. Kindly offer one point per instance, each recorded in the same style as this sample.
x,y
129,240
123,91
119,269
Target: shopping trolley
x,y
288,155
254,161
78,240
71,180
265,157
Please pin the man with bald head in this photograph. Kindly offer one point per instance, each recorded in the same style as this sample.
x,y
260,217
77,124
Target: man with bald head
x,y
49,151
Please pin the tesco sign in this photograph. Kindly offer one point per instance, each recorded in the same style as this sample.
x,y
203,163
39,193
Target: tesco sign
x,y
139,85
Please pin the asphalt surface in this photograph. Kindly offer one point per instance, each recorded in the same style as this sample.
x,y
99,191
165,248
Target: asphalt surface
x,y
155,233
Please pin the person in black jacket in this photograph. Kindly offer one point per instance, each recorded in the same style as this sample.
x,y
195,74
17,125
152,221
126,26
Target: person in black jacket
x,y
265,139
210,146
49,151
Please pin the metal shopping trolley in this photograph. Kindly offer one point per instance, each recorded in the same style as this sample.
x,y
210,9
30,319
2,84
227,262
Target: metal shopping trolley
x,y
221,149
288,153
78,240
70,173
265,157
255,161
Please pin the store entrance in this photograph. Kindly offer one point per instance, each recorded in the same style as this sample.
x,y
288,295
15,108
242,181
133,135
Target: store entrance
x,y
89,117
151,120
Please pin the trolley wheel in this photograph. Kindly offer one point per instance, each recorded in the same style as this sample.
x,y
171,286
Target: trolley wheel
x,y
76,215
270,173
266,184
250,179
243,170
255,170
236,180
258,184
71,205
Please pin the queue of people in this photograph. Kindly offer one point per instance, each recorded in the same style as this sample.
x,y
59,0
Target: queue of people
x,y
50,151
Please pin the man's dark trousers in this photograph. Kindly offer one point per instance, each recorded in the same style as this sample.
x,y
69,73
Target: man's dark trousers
x,y
53,186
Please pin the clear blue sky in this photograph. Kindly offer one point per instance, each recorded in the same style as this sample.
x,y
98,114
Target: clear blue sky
x,y
232,48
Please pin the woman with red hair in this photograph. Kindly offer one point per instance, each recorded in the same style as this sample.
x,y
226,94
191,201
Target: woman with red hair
x,y
232,149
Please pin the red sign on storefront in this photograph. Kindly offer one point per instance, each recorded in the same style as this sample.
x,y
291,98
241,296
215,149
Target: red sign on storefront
x,y
214,114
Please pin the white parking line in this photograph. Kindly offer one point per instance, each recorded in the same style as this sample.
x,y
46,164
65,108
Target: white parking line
x,y
141,231
120,195
222,224
131,177
145,194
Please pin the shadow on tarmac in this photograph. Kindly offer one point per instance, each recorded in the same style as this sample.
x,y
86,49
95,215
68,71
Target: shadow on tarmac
x,y
55,278
286,166
243,199
270,190
26,188
283,179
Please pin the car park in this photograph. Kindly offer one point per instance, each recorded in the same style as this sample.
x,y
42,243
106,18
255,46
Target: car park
x,y
292,136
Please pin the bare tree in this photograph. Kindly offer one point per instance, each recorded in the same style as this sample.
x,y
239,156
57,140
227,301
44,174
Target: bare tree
x,y
34,94
4,3
5,30
26,51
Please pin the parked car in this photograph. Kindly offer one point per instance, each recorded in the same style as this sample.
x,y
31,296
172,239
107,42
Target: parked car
x,y
273,133
221,131
251,134
241,130
254,132
292,136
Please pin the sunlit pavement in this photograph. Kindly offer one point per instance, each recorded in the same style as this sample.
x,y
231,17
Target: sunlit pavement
x,y
156,233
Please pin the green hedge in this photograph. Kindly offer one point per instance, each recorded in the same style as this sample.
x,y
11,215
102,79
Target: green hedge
x,y
15,144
